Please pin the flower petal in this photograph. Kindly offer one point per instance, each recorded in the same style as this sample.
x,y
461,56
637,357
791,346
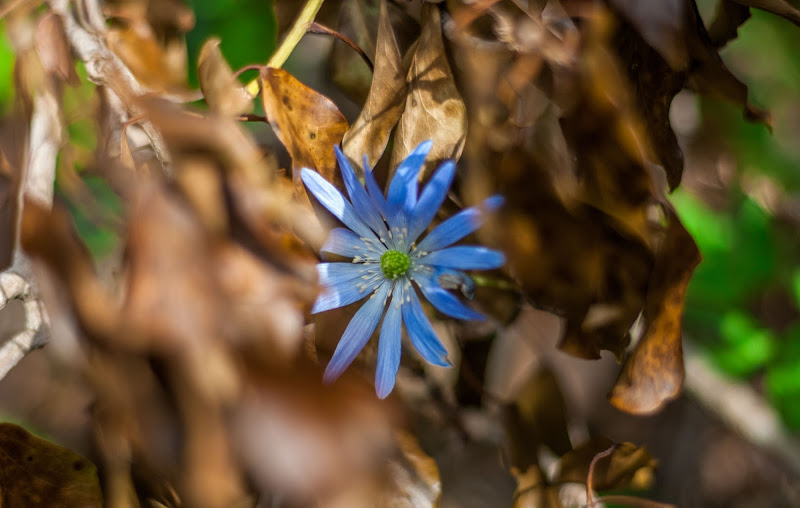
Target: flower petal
x,y
333,200
420,331
465,257
402,196
389,348
376,194
431,199
357,333
344,242
364,206
444,301
344,283
459,225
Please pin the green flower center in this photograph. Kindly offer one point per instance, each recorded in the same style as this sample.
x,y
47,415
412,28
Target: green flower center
x,y
394,264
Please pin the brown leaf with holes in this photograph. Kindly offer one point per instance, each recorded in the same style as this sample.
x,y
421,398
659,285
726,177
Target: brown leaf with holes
x,y
729,17
782,8
628,467
387,94
653,374
37,473
306,122
434,109
223,93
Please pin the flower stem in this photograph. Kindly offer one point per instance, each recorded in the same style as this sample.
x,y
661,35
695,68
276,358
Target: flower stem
x,y
299,29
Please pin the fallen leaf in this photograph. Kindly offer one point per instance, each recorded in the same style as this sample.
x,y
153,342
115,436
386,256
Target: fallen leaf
x,y
54,49
533,490
359,21
413,477
387,94
628,467
306,122
782,8
729,17
37,473
434,109
661,24
223,93
653,374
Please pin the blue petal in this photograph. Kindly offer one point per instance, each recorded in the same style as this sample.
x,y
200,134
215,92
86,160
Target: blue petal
x,y
389,348
344,242
357,333
459,225
343,284
333,200
420,331
465,257
402,196
364,206
376,194
431,199
444,301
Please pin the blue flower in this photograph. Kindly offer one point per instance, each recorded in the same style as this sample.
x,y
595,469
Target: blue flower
x,y
381,238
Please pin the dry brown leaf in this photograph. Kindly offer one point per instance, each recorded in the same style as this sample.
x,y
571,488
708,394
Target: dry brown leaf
x,y
306,122
223,93
782,8
54,50
413,477
137,47
434,109
730,16
629,466
661,23
387,94
37,473
533,490
653,374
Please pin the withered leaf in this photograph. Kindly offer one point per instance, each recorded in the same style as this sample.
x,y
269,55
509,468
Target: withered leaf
x,y
730,16
358,20
434,109
533,491
224,94
414,480
661,24
137,47
54,50
653,374
782,8
37,473
629,466
370,132
306,122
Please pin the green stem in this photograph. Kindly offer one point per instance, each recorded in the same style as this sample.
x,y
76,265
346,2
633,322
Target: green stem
x,y
299,29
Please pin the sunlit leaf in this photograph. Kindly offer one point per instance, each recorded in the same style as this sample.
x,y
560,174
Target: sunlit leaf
x,y
434,109
370,132
223,93
307,123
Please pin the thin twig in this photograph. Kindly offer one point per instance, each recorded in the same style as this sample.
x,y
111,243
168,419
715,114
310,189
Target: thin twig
x,y
316,28
590,477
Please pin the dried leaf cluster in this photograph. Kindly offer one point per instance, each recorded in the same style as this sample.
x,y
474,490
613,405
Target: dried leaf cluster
x,y
197,344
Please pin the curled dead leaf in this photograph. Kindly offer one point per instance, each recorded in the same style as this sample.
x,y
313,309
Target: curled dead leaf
x,y
434,109
387,95
307,123
224,94
653,374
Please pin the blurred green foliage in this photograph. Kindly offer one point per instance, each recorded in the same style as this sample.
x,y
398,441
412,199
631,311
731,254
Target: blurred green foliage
x,y
748,251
